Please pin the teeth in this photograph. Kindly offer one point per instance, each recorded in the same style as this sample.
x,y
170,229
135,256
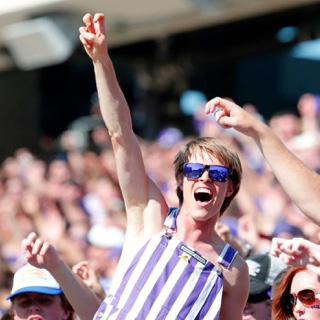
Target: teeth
x,y
203,190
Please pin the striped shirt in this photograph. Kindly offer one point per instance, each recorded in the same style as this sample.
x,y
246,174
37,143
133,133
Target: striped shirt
x,y
167,280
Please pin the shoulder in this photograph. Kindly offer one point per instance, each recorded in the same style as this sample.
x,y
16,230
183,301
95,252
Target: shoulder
x,y
237,267
235,289
236,277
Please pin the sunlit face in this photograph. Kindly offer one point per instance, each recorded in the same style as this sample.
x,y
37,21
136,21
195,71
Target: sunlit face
x,y
306,280
36,306
256,311
202,197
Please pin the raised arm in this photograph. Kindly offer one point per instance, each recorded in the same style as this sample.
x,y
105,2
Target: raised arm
x,y
300,182
145,204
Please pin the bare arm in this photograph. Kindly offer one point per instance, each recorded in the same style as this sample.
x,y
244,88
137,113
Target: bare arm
x,y
292,173
236,290
142,198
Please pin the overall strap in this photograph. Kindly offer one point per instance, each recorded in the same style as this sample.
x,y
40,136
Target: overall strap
x,y
227,255
171,219
100,312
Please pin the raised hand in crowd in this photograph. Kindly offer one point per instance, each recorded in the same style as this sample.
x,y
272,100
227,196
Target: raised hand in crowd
x,y
290,171
296,252
89,277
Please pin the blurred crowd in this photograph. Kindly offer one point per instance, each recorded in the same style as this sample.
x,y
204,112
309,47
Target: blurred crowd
x,y
74,201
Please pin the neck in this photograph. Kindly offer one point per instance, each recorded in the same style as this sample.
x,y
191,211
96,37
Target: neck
x,y
192,231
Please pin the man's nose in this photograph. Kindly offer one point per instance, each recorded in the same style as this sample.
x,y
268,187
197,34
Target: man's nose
x,y
205,175
34,306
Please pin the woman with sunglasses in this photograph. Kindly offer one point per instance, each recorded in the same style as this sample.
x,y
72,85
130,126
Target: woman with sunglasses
x,y
297,296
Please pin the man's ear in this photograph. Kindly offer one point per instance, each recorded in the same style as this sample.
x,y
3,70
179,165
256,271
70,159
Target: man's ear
x,y
230,190
229,193
66,314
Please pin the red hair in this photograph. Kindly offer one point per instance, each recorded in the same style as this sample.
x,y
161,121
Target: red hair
x,y
279,309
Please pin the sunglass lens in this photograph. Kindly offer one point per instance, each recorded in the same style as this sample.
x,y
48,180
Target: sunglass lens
x,y
193,170
218,173
307,297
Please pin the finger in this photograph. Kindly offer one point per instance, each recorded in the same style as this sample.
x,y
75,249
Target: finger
x,y
297,246
28,242
219,114
211,105
98,21
32,237
88,21
85,274
275,246
87,18
85,43
37,246
76,269
85,263
224,104
44,248
284,257
85,36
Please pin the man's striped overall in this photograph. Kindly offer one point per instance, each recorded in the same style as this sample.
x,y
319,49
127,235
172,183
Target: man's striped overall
x,y
167,280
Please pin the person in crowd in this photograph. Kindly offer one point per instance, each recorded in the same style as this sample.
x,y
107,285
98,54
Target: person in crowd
x,y
173,265
309,110
43,255
36,294
286,124
297,296
228,233
263,270
103,252
166,249
291,172
90,277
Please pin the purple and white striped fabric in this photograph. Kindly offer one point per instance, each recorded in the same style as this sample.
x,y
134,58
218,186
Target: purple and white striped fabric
x,y
167,280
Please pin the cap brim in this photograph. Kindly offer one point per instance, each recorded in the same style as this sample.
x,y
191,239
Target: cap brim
x,y
43,290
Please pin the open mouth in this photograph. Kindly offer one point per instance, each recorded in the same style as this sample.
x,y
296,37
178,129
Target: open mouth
x,y
203,195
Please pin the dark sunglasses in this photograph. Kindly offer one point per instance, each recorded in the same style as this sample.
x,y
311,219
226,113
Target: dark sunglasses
x,y
307,297
192,170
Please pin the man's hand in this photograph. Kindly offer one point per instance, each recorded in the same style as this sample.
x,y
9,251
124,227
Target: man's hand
x,y
39,253
92,35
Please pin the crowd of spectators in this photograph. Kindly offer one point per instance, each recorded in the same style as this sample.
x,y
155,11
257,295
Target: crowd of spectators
x,y
74,201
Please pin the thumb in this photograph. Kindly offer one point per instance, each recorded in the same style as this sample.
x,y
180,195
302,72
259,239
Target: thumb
x,y
222,119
